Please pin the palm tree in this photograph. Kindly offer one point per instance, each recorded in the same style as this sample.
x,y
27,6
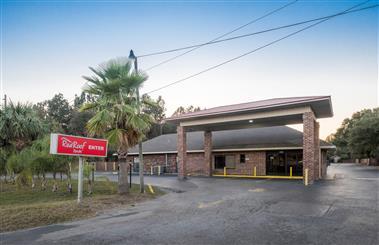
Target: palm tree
x,y
19,126
114,88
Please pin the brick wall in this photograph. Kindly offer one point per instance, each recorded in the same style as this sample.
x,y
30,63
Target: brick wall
x,y
196,164
253,159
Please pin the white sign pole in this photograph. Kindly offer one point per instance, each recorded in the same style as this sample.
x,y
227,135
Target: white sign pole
x,y
80,180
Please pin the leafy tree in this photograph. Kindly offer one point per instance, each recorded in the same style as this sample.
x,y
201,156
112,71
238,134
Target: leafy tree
x,y
57,112
363,139
79,119
83,98
78,122
181,110
340,138
164,127
168,128
44,162
356,137
19,165
157,111
114,88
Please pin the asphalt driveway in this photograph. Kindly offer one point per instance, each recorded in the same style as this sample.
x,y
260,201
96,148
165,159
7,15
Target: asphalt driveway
x,y
341,210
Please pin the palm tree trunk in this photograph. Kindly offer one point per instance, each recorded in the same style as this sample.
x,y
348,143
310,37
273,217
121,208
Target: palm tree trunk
x,y
123,187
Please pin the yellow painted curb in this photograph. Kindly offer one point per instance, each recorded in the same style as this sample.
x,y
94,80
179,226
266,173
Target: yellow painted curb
x,y
258,177
151,189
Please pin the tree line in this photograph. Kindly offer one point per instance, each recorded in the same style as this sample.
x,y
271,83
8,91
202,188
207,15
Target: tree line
x,y
107,108
358,136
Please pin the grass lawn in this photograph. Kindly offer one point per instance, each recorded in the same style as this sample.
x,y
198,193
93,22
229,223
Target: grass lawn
x,y
25,207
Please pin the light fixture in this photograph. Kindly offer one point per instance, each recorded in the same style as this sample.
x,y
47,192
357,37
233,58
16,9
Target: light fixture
x,y
251,121
131,55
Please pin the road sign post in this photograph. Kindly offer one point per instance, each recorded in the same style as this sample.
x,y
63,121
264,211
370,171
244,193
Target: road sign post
x,y
61,144
80,180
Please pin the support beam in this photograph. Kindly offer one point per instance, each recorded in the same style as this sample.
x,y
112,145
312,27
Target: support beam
x,y
309,145
208,152
182,152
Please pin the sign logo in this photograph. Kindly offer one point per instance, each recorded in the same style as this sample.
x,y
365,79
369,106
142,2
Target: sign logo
x,y
78,146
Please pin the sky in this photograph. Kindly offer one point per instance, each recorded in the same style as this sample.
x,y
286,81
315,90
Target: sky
x,y
47,46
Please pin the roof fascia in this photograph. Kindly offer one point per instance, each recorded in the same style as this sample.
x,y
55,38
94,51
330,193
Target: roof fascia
x,y
252,115
233,149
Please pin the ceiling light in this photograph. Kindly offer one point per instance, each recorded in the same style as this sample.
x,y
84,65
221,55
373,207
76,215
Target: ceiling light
x,y
251,121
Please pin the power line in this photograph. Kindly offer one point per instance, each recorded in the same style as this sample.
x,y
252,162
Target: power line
x,y
257,49
217,38
259,32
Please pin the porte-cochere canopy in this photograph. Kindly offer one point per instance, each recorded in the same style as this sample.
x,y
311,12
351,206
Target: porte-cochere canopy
x,y
264,113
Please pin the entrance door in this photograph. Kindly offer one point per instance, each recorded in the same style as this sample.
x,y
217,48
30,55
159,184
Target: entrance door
x,y
280,162
275,163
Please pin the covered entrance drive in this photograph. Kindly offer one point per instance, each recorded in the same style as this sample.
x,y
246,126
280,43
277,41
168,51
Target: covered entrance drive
x,y
276,159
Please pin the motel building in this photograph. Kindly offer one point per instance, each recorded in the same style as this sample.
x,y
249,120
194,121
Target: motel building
x,y
249,140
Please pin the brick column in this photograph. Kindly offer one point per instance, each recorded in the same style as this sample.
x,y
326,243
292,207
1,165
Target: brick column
x,y
317,151
323,164
309,145
208,152
182,152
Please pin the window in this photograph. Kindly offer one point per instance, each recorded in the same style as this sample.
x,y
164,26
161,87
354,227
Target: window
x,y
222,161
219,162
242,158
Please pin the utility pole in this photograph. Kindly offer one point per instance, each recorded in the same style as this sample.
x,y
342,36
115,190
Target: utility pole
x,y
5,101
140,154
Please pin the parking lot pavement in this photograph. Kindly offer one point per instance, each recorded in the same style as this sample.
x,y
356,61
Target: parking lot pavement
x,y
340,210
166,182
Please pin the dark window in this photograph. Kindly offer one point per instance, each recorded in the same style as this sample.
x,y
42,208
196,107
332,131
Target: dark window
x,y
219,162
242,158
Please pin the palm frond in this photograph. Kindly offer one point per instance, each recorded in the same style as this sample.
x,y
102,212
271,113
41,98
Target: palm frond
x,y
116,118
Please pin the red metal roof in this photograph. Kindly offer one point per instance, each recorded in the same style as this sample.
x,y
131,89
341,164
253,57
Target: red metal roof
x,y
255,105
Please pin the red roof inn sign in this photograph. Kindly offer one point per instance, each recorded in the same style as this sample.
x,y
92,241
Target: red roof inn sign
x,y
77,146
61,144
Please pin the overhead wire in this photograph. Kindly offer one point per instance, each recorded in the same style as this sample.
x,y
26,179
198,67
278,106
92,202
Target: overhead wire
x,y
256,33
219,37
259,48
